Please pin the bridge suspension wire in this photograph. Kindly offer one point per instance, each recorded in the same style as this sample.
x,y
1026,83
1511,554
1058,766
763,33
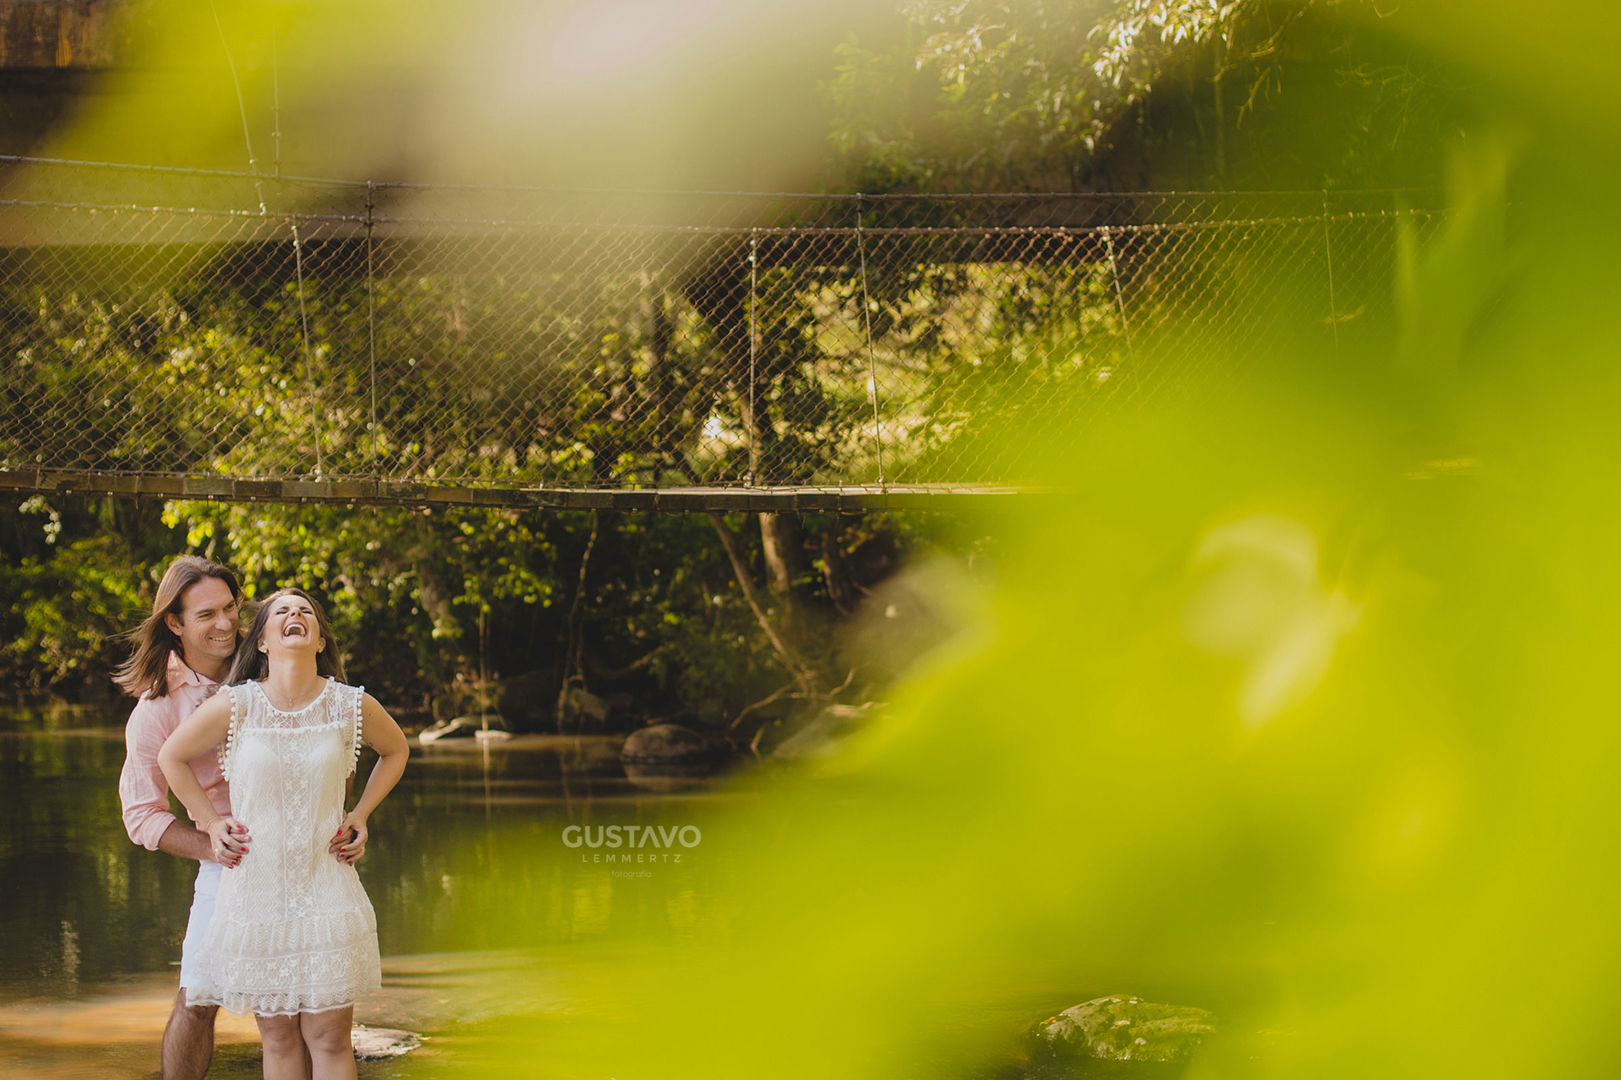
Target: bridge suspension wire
x,y
371,330
751,420
304,344
241,104
258,186
1115,286
492,346
275,100
1328,264
872,364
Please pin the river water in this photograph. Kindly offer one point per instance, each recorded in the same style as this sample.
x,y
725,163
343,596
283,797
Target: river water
x,y
467,868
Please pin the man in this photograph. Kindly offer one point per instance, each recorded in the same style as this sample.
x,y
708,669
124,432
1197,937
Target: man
x,y
183,651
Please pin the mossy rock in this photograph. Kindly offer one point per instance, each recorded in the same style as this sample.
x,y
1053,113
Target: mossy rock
x,y
672,745
1117,1036
381,1044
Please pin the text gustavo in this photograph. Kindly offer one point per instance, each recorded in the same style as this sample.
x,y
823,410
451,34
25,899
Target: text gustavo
x,y
660,838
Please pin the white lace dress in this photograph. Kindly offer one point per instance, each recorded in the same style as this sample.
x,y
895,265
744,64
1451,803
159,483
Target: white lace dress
x,y
293,930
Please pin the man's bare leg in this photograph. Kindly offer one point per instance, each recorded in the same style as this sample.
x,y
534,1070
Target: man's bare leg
x,y
188,1040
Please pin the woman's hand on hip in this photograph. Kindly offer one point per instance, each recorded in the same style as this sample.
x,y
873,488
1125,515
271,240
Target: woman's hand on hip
x,y
349,843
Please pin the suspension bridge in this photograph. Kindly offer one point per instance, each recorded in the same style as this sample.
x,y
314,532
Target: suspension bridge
x,y
185,334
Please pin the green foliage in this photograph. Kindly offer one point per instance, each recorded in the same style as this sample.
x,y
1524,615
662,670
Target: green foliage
x,y
995,95
65,613
663,595
424,604
70,580
399,582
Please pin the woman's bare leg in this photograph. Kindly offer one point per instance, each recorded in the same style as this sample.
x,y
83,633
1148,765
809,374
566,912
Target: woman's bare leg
x,y
332,1050
285,1058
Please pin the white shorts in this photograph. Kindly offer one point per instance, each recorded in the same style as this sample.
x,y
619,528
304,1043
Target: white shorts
x,y
194,950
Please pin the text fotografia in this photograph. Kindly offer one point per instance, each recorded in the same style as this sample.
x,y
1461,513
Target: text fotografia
x,y
632,843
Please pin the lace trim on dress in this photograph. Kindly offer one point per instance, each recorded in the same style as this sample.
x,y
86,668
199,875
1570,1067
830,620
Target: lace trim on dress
x,y
227,748
357,729
288,717
307,965
279,1004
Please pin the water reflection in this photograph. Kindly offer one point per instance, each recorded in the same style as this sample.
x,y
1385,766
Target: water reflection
x,y
78,901
466,869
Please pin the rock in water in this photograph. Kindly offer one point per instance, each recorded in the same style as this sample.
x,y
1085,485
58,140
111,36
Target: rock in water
x,y
379,1044
672,745
1125,1029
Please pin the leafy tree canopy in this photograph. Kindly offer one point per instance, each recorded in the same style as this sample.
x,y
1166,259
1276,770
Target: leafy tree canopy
x,y
1130,94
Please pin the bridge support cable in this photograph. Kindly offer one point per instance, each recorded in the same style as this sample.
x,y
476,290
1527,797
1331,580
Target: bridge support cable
x,y
751,421
872,366
1328,265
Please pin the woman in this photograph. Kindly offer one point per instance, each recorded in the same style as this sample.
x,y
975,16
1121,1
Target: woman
x,y
293,939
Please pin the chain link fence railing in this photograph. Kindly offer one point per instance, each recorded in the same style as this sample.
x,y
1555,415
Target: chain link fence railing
x,y
162,322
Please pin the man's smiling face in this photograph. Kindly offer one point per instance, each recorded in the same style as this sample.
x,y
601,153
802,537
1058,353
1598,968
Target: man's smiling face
x,y
207,624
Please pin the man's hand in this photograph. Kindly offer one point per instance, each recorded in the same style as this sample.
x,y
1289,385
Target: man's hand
x,y
228,841
349,842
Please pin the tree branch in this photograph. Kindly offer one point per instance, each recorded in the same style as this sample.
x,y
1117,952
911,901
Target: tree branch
x,y
572,666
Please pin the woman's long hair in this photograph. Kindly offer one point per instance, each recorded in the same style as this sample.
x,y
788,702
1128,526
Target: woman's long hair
x,y
146,672
250,663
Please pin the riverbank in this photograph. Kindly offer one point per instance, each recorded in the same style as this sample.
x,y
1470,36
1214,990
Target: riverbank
x,y
113,1031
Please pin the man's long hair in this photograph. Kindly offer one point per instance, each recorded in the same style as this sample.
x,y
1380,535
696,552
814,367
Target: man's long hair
x,y
250,663
145,673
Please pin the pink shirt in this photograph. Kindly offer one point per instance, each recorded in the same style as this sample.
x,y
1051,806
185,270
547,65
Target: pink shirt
x,y
142,787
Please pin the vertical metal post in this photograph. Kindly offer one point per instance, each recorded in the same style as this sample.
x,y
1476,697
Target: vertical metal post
x,y
1328,257
754,299
872,364
371,328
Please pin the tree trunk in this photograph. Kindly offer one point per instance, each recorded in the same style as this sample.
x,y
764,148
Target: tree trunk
x,y
1196,107
783,542
803,673
573,669
840,589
